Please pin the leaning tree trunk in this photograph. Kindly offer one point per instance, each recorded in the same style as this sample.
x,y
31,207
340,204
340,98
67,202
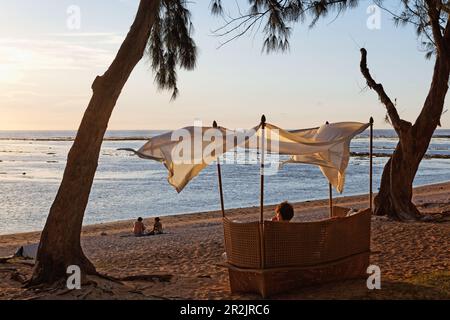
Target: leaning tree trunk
x,y
396,190
395,196
60,240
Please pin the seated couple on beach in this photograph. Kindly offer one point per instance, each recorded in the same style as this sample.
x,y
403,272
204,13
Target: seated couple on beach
x,y
139,227
284,212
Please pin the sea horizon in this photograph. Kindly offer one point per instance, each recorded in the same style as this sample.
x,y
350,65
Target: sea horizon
x,y
143,134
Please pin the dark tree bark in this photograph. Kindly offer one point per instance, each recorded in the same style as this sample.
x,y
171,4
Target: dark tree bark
x,y
60,240
395,195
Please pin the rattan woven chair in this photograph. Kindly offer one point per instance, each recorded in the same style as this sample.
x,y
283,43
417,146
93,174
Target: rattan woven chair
x,y
294,254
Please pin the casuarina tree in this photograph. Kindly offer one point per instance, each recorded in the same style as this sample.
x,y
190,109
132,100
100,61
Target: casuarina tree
x,y
163,27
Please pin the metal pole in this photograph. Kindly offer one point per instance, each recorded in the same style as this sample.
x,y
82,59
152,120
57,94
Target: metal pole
x,y
263,126
371,163
330,193
219,175
330,190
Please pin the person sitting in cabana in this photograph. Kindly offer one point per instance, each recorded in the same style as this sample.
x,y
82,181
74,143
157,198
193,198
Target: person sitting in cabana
x,y
284,212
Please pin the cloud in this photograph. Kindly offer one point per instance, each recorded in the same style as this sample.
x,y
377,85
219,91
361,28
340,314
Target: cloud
x,y
98,37
32,95
23,60
65,51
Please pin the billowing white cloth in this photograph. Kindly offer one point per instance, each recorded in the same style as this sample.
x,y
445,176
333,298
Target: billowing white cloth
x,y
334,157
185,152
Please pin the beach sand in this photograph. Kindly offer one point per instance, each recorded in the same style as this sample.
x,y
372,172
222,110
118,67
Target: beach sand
x,y
184,263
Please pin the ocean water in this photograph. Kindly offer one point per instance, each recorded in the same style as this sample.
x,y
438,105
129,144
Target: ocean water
x,y
32,164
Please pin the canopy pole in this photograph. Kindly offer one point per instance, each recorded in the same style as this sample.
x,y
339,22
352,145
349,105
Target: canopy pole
x,y
262,146
219,175
371,163
330,193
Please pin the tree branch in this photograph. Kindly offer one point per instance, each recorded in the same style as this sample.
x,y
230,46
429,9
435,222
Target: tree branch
x,y
434,15
434,103
265,8
447,34
398,124
445,7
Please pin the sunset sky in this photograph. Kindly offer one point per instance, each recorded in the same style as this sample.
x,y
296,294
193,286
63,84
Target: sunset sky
x,y
46,70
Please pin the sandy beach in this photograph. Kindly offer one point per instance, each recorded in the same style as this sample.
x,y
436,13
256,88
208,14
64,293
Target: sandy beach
x,y
185,262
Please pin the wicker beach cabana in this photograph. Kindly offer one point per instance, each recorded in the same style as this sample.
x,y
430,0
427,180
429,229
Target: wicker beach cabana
x,y
268,257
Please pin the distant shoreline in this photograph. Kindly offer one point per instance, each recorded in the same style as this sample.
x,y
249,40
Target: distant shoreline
x,y
352,154
387,155
68,139
143,135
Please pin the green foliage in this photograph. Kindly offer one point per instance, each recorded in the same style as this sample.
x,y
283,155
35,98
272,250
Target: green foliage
x,y
416,13
278,17
171,44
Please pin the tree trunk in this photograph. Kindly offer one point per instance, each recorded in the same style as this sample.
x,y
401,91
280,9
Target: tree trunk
x,y
60,240
382,201
395,195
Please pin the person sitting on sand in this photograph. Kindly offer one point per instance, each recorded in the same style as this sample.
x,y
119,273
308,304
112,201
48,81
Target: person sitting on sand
x,y
139,227
157,227
284,212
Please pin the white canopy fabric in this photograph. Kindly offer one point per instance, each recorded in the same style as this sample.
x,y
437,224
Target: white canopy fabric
x,y
185,152
333,159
